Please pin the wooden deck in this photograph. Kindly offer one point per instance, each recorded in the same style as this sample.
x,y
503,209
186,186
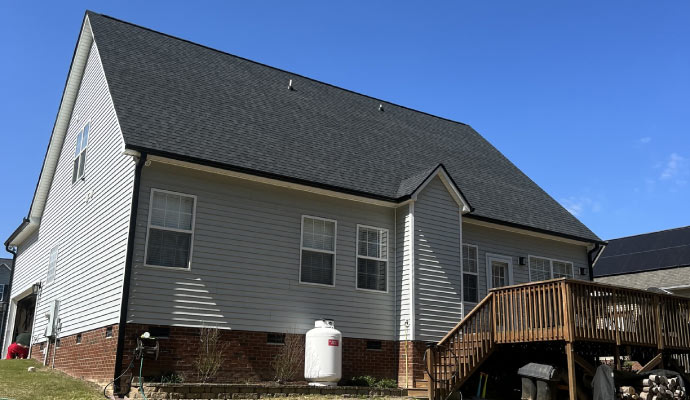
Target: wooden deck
x,y
557,310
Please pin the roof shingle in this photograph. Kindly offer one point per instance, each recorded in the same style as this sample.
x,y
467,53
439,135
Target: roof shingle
x,y
184,100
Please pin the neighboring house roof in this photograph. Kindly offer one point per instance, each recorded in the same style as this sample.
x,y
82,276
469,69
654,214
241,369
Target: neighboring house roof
x,y
185,101
646,252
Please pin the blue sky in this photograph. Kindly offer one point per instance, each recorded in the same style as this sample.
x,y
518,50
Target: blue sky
x,y
589,99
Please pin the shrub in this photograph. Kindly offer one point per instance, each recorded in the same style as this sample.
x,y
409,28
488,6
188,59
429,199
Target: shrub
x,y
210,356
286,364
387,383
370,381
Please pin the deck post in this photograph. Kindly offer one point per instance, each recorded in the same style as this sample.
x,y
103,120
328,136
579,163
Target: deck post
x,y
659,323
572,383
617,357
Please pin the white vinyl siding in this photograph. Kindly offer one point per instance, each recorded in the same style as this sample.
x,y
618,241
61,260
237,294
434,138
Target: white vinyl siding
x,y
170,233
372,258
515,245
541,269
52,264
246,261
437,275
470,273
93,217
317,263
79,163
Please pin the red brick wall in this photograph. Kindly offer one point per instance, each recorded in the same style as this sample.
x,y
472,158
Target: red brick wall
x,y
92,359
415,363
248,357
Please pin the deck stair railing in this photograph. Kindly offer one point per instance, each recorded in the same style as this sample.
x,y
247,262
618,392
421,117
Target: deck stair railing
x,y
556,310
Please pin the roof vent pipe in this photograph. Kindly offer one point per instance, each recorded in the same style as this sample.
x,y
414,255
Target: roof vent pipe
x,y
290,85
381,107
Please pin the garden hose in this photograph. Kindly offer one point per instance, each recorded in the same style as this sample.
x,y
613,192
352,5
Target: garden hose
x,y
141,380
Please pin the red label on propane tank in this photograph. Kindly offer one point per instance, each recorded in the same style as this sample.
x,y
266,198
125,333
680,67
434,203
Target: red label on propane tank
x,y
333,342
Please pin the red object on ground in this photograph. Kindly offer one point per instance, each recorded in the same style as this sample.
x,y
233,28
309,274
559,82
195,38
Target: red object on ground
x,y
17,351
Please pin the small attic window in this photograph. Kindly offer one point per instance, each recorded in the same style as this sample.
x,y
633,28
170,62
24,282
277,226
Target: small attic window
x,y
80,154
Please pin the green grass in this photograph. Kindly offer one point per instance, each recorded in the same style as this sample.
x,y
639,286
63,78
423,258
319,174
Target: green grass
x,y
17,383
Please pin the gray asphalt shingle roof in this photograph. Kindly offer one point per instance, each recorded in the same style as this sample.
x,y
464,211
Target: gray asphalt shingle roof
x,y
647,252
187,101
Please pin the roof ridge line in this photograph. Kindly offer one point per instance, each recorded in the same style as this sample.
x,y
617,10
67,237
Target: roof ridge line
x,y
279,69
651,233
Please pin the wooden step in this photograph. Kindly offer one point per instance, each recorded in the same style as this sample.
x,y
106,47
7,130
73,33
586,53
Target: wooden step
x,y
418,393
421,384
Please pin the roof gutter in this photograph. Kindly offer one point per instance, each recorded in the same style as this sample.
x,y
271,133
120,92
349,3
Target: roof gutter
x,y
23,231
121,330
592,257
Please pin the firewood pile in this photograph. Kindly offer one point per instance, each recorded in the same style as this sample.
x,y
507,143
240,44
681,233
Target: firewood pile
x,y
655,387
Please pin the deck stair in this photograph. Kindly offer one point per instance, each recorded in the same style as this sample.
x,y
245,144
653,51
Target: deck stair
x,y
556,310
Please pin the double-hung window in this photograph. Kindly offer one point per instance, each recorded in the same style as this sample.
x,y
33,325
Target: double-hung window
x,y
470,278
80,154
318,251
541,269
372,258
170,230
2,292
52,264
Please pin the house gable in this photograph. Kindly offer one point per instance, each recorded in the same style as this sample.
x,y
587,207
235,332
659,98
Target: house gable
x,y
84,222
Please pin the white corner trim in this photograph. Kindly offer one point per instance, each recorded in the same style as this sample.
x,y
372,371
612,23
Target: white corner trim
x,y
450,186
412,267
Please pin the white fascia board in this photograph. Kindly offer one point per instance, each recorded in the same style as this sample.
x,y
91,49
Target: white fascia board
x,y
450,186
64,115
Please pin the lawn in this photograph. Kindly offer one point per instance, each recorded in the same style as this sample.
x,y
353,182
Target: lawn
x,y
17,383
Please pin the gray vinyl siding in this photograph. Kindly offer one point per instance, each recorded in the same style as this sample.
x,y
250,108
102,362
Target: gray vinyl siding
x,y
245,263
88,220
437,251
662,278
403,270
514,245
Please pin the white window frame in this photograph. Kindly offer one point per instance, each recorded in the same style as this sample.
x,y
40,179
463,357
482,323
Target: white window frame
x,y
148,230
463,272
551,260
52,267
489,268
2,292
384,259
81,150
302,248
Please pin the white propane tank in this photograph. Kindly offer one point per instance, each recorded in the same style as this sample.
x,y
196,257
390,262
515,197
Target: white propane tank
x,y
323,354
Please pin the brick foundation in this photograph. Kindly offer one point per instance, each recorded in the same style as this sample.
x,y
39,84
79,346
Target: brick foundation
x,y
248,357
92,359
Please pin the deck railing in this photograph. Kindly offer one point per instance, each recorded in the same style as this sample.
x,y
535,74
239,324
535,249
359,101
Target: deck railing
x,y
561,309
